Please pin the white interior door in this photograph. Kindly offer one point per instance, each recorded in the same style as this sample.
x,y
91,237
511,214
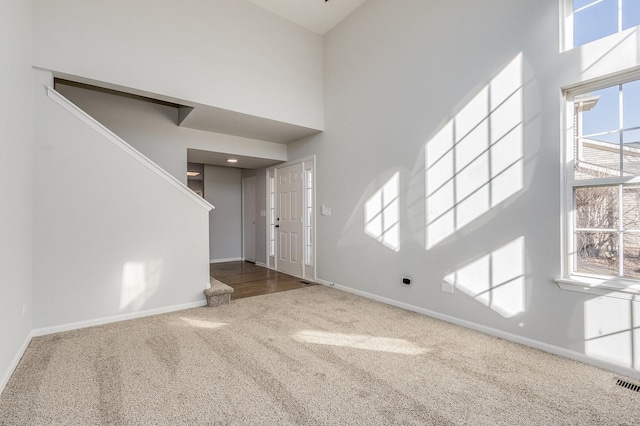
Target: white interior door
x,y
289,208
249,218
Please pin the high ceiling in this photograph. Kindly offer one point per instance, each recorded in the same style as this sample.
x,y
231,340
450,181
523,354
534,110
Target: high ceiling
x,y
315,15
318,16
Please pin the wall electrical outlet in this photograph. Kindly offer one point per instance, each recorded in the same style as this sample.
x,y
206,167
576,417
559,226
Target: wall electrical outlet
x,y
447,287
326,211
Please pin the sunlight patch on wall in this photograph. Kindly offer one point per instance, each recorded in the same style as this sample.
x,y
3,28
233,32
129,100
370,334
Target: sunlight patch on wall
x,y
382,214
611,331
610,53
139,281
496,280
370,343
476,161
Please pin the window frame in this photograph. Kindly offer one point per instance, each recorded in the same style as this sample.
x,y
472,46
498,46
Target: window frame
x,y
567,25
614,286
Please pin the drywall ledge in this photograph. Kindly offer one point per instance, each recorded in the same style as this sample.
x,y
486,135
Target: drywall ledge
x,y
609,288
132,152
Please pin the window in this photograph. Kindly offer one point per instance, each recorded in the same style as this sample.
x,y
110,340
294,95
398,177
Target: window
x,y
272,216
308,182
604,182
595,19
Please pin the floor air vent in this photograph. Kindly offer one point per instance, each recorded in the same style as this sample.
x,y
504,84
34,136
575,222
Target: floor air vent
x,y
628,385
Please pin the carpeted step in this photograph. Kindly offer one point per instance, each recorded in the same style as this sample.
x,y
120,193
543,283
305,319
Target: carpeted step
x,y
218,294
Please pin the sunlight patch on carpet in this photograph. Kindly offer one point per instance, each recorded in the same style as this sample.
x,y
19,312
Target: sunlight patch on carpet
x,y
381,344
203,324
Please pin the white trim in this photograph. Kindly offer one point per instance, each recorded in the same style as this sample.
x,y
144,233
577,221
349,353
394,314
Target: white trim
x,y
263,265
267,219
15,362
566,25
570,278
132,152
602,82
274,169
310,164
576,356
618,288
231,259
116,318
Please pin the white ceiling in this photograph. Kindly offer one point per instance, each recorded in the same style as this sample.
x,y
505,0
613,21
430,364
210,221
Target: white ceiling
x,y
315,15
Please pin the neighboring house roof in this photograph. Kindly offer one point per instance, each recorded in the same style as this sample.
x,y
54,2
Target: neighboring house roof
x,y
602,159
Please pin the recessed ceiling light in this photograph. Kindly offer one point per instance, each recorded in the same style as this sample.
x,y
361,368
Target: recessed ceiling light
x,y
232,160
192,174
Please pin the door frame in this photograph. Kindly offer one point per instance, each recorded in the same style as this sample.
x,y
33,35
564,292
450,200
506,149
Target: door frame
x,y
309,269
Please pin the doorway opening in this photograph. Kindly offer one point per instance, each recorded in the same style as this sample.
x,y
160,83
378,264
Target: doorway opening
x,y
291,226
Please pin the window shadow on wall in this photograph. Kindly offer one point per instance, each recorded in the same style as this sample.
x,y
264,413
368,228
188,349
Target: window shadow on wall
x,y
476,161
612,331
382,214
497,279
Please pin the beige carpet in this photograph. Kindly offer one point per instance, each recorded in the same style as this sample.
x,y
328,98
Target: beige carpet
x,y
303,357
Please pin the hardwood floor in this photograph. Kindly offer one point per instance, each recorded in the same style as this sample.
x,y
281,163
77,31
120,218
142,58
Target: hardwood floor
x,y
249,280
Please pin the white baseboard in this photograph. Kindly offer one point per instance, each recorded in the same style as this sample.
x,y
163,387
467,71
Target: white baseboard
x,y
231,259
545,347
264,265
14,363
106,320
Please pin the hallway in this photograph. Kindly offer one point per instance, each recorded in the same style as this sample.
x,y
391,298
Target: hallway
x,y
248,280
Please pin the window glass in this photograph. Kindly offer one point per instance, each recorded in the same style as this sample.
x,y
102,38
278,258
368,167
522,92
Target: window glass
x,y
594,20
597,253
606,193
631,207
630,13
632,255
607,142
631,103
597,207
605,115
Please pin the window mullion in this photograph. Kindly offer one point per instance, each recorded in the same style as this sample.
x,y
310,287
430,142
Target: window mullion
x,y
620,187
620,231
619,15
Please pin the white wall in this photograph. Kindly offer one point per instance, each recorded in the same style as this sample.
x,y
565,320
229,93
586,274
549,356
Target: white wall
x,y
111,237
16,167
224,53
396,74
152,129
261,205
223,189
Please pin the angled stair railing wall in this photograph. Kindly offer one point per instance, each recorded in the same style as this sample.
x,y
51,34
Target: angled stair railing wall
x,y
115,236
117,141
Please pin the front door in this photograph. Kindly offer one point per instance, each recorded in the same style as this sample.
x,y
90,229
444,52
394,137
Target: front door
x,y
289,207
